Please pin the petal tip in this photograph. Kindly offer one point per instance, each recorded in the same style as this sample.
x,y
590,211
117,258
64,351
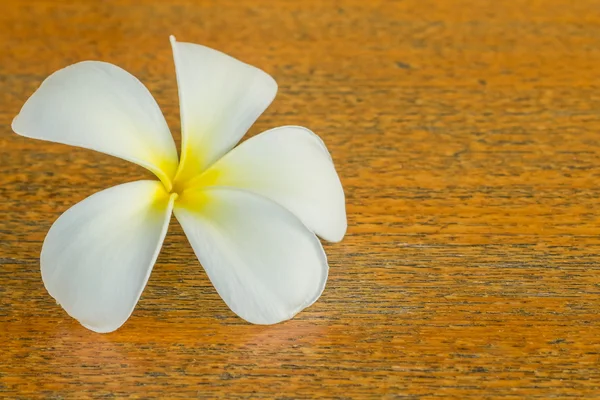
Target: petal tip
x,y
14,124
338,237
100,330
18,122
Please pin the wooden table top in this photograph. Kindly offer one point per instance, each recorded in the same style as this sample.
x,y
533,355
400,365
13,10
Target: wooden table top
x,y
467,137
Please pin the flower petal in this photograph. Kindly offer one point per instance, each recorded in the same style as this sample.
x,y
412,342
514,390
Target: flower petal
x,y
291,166
102,107
98,255
220,98
262,260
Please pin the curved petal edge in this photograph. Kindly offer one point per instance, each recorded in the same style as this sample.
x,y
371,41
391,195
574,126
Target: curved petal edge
x,y
220,97
291,166
98,255
99,106
264,263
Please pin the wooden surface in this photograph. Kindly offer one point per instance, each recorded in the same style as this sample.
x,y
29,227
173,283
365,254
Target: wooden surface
x,y
467,136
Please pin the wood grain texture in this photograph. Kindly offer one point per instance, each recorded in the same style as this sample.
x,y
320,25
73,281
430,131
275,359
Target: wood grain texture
x,y
467,136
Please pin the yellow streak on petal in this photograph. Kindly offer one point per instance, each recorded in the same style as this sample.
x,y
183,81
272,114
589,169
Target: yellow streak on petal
x,y
163,166
190,165
160,203
160,200
191,194
164,178
194,200
210,177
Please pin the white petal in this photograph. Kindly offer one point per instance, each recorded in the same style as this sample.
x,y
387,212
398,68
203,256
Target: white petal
x,y
220,98
102,107
262,260
291,166
97,257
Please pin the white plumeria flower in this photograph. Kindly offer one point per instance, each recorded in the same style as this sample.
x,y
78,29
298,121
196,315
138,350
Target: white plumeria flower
x,y
250,213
